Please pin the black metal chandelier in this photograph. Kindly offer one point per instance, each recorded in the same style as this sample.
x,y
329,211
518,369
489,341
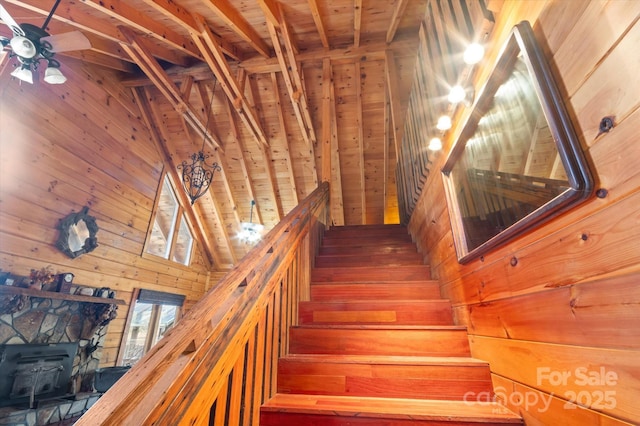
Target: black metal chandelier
x,y
198,174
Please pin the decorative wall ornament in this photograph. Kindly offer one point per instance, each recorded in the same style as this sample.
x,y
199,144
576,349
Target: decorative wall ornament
x,y
77,234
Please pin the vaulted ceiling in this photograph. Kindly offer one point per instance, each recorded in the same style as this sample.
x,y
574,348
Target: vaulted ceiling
x,y
299,91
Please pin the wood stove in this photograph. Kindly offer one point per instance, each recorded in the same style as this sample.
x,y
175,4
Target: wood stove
x,y
35,372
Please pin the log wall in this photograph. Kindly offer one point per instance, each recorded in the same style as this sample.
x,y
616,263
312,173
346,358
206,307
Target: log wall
x,y
83,144
560,328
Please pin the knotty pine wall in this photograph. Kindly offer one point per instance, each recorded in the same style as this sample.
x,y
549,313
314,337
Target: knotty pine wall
x,y
572,301
83,144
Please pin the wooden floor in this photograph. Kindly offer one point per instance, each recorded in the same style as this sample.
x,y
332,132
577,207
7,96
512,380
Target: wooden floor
x,y
376,345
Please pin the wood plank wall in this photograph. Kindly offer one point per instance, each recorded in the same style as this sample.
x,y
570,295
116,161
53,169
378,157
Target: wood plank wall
x,y
83,144
570,305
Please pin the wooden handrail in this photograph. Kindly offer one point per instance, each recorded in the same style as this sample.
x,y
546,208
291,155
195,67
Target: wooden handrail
x,y
217,365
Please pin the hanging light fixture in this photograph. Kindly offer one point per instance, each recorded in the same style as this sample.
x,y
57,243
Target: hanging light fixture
x,y
250,233
197,175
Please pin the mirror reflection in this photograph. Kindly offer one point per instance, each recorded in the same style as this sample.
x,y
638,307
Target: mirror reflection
x,y
510,165
517,161
78,234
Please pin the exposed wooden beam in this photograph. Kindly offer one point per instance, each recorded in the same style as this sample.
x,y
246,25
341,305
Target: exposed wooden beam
x,y
398,12
327,81
159,137
156,74
291,73
268,162
182,17
336,199
363,182
357,22
237,23
271,10
248,184
214,57
285,140
133,17
371,50
317,18
391,77
207,100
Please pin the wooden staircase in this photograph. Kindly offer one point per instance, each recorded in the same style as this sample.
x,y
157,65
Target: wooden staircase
x,y
376,345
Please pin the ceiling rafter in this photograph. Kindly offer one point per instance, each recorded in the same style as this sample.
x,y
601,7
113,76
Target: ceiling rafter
x,y
291,73
398,12
391,78
283,129
268,161
133,17
271,10
237,23
159,137
183,18
357,22
216,60
156,74
317,18
336,198
248,184
206,101
360,141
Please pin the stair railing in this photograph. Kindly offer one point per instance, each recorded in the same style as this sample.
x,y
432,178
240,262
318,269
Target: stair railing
x,y
217,365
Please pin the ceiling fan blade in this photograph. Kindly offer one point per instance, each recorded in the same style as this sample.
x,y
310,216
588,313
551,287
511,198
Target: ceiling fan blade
x,y
11,23
66,42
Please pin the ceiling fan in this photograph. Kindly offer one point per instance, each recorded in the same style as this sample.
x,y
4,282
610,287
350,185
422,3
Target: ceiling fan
x,y
31,44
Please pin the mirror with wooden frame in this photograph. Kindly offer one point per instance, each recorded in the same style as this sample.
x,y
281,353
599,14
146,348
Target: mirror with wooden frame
x,y
77,234
517,161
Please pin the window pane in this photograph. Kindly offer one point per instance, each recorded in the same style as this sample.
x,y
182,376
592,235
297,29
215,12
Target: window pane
x,y
138,332
168,315
184,242
163,226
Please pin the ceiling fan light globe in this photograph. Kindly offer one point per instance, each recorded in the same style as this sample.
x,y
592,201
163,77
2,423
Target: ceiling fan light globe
x,y
23,74
23,47
53,75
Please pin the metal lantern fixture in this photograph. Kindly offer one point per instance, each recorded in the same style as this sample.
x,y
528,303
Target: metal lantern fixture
x,y
198,174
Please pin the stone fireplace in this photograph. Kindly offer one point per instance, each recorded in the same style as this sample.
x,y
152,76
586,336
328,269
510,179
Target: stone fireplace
x,y
47,332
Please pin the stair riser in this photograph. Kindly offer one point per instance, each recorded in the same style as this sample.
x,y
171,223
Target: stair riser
x,y
370,233
306,419
355,274
391,381
379,291
368,249
360,241
379,342
436,312
333,261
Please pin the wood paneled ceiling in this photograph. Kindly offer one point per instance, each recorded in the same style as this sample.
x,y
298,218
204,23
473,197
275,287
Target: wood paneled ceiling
x,y
300,91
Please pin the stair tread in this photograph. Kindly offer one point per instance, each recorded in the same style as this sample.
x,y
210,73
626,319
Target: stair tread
x,y
382,327
424,281
386,359
398,408
381,303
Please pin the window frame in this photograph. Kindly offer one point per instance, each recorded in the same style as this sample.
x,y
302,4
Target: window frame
x,y
154,322
180,217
